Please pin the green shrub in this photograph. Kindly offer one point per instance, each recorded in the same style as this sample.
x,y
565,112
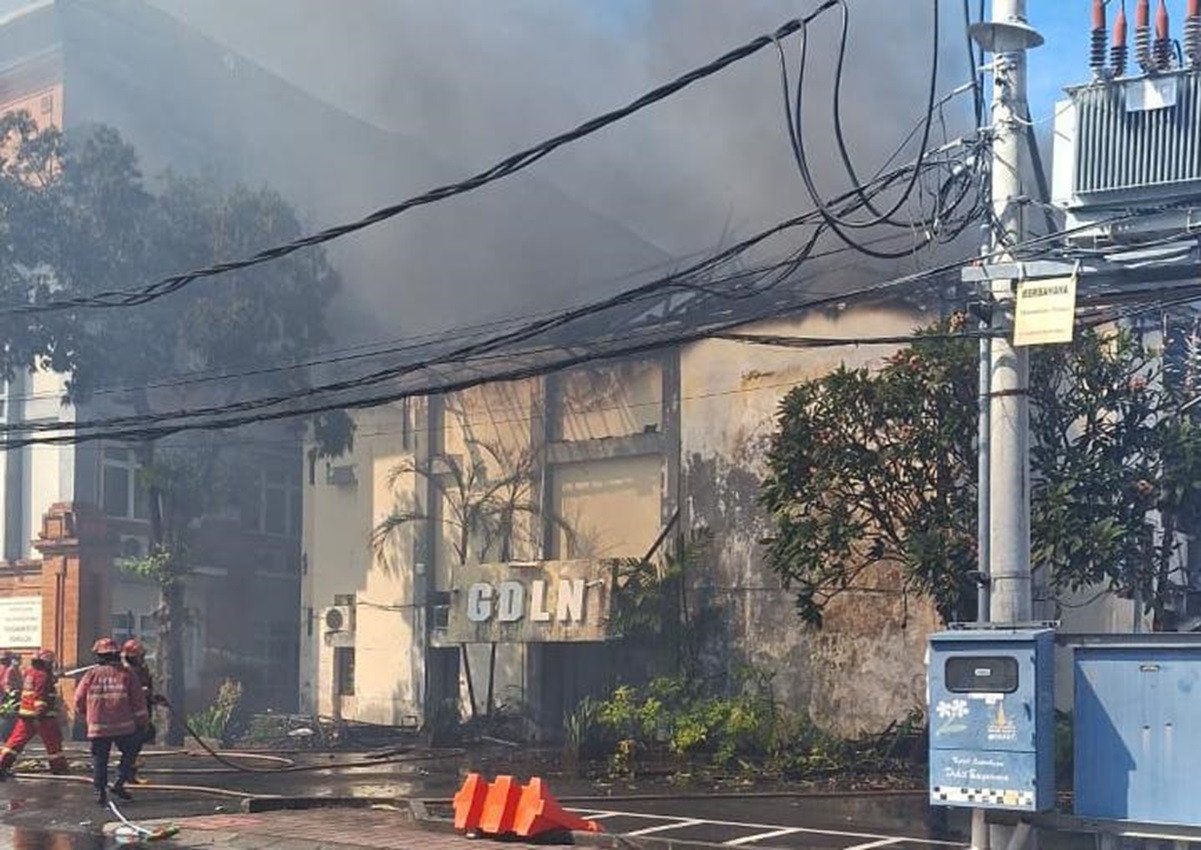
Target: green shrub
x,y
222,720
675,717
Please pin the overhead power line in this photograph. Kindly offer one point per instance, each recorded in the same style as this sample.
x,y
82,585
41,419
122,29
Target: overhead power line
x,y
177,422
231,416
506,167
691,279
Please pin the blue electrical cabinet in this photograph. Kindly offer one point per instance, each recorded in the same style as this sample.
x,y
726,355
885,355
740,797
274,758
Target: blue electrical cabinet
x,y
992,719
1138,729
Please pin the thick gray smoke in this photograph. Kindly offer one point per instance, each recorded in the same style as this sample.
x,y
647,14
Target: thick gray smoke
x,y
459,84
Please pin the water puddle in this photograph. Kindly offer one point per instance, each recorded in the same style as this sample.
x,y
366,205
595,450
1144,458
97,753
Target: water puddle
x,y
20,838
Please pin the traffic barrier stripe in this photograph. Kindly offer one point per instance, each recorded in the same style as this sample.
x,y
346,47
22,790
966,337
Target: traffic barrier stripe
x,y
503,807
500,806
469,803
538,813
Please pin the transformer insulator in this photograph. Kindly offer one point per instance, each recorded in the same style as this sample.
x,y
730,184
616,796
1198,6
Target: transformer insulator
x,y
1142,48
1096,56
1117,59
1192,41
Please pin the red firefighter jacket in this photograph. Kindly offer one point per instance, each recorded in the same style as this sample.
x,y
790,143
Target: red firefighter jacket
x,y
111,699
10,690
39,694
10,679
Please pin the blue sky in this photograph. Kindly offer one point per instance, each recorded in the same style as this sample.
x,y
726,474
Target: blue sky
x,y
1063,60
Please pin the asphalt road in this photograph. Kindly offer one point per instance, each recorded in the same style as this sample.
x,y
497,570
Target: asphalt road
x,y
794,823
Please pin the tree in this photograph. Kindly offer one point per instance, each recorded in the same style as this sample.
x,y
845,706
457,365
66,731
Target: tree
x,y
483,498
879,467
88,222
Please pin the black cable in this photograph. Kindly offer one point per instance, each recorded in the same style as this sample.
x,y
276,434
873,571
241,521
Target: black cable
x,y
506,167
977,89
458,355
839,138
1040,175
513,374
623,349
796,137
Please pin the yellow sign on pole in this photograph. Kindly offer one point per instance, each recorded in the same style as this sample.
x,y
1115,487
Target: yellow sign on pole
x,y
1046,311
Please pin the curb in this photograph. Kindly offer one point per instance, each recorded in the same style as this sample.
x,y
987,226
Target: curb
x,y
261,805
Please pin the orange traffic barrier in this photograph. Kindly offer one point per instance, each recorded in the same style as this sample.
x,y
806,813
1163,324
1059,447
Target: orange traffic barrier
x,y
469,802
500,806
539,813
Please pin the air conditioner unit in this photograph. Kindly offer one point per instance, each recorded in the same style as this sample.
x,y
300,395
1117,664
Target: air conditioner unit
x,y
1125,146
340,476
337,625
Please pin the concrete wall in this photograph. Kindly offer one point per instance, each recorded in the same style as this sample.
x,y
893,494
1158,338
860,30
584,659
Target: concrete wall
x,y
611,506
865,668
338,516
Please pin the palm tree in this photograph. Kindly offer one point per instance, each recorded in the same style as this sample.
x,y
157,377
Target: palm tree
x,y
484,496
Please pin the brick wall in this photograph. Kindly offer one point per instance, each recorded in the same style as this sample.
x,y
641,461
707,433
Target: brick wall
x,y
72,581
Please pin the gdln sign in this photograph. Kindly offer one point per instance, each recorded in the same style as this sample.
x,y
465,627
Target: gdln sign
x,y
548,601
507,601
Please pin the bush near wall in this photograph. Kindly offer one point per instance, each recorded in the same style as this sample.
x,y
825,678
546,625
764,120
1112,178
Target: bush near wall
x,y
676,724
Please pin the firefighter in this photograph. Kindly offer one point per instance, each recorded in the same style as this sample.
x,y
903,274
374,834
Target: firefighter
x,y
37,715
111,698
134,655
10,692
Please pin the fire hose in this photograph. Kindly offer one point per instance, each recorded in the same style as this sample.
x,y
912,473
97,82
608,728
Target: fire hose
x,y
387,757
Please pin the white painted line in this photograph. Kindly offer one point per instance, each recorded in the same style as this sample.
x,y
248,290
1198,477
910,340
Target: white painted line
x,y
762,836
887,842
807,830
664,827
599,815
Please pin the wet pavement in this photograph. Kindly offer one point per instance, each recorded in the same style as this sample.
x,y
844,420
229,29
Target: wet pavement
x,y
44,813
39,812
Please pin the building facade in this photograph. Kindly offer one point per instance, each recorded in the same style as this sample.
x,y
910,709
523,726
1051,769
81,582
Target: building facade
x,y
614,461
188,103
251,549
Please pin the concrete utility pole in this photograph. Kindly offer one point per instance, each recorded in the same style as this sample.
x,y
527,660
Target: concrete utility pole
x,y
1004,438
1009,408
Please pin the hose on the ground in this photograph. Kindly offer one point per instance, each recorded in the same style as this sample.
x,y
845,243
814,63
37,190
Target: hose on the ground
x,y
132,833
234,767
199,789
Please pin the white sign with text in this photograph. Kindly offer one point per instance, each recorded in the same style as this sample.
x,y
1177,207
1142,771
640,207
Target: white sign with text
x,y
21,622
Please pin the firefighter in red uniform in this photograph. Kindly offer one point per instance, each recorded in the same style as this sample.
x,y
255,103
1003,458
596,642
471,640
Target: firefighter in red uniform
x,y
111,699
10,692
135,659
37,715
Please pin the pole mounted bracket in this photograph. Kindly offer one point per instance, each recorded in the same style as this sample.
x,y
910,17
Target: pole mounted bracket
x,y
981,309
979,578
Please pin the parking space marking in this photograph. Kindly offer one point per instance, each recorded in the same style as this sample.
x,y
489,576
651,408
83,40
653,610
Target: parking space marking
x,y
664,827
871,839
763,836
